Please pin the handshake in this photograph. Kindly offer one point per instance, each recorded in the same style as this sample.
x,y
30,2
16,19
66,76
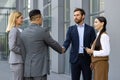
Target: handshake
x,y
63,49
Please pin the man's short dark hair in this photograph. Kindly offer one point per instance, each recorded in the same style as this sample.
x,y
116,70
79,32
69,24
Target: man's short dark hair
x,y
81,11
34,13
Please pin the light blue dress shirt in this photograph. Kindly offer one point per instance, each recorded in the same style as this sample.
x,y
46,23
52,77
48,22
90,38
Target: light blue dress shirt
x,y
80,29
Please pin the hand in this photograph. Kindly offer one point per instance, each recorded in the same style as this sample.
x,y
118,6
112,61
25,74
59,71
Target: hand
x,y
63,50
89,51
91,66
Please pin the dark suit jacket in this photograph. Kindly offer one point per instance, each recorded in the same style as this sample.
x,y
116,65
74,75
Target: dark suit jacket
x,y
37,40
72,38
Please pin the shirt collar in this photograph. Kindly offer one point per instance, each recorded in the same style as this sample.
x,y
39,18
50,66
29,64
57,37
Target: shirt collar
x,y
80,25
20,29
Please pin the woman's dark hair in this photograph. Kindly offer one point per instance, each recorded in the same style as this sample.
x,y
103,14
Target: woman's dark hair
x,y
98,44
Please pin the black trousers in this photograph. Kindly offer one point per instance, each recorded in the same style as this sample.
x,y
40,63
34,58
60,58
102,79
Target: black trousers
x,y
81,65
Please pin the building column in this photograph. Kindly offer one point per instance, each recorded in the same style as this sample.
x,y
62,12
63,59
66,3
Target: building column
x,y
19,5
86,7
57,60
34,4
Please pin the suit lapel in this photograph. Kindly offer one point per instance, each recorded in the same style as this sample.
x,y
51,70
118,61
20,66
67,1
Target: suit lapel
x,y
76,33
85,32
75,36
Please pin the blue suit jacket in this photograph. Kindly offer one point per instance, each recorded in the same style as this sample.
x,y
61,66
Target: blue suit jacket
x,y
72,38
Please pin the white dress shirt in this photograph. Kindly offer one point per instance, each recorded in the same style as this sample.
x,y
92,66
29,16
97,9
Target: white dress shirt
x,y
20,29
105,44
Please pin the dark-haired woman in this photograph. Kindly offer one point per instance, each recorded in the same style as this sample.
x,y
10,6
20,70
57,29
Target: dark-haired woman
x,y
100,50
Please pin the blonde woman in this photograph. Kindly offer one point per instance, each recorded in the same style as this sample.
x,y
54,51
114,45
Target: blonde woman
x,y
15,47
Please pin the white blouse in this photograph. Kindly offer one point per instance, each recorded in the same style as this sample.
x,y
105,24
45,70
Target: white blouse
x,y
105,44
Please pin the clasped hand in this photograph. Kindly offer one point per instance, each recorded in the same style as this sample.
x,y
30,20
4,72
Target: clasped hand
x,y
89,51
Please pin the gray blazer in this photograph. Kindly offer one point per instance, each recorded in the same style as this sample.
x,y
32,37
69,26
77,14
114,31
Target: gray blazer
x,y
37,40
15,46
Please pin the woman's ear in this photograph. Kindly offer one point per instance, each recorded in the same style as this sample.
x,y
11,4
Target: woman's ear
x,y
102,23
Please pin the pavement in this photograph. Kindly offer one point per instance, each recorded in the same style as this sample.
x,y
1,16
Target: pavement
x,y
5,73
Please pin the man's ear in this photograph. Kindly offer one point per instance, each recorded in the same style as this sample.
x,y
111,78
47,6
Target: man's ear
x,y
83,16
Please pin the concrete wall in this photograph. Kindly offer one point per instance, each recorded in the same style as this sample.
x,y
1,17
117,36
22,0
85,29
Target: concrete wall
x,y
112,13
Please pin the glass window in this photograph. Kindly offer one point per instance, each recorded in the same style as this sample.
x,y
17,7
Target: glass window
x,y
45,2
26,8
47,13
6,7
96,9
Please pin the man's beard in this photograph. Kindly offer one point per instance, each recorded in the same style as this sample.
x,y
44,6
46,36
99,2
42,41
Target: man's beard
x,y
78,21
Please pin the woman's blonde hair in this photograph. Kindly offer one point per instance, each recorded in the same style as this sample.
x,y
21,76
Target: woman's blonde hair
x,y
12,20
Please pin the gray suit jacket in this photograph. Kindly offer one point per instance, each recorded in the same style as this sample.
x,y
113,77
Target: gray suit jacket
x,y
15,46
37,40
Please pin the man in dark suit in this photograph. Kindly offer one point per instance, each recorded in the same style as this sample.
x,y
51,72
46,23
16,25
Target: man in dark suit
x,y
37,40
79,36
